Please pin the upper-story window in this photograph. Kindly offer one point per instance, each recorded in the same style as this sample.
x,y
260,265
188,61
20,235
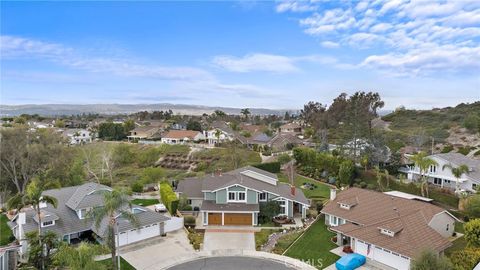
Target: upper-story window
x,y
262,196
47,223
237,196
433,168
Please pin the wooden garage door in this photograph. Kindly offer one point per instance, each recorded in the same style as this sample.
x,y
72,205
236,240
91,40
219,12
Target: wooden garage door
x,y
238,219
214,219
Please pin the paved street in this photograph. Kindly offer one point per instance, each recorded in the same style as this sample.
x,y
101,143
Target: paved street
x,y
149,255
216,239
231,263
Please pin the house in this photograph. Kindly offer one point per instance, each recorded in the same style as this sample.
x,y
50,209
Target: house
x,y
144,133
291,128
234,198
78,136
178,126
182,136
444,178
71,222
284,141
385,228
9,257
219,132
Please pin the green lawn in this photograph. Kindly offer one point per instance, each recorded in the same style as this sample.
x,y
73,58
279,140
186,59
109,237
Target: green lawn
x,y
322,191
144,202
5,232
261,237
285,241
314,246
124,265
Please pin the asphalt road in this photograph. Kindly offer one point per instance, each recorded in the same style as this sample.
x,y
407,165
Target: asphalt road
x,y
232,263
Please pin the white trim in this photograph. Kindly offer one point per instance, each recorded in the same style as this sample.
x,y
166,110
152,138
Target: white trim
x,y
231,211
232,185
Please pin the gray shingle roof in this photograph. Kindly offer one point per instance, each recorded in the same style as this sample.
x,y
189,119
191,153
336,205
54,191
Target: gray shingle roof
x,y
458,159
80,194
191,187
231,207
68,221
46,216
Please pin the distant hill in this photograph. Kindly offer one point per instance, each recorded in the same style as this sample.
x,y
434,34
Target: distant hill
x,y
110,109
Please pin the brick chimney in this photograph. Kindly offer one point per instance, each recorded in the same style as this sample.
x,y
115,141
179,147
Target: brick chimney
x,y
292,190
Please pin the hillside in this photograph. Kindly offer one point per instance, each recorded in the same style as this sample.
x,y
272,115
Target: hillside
x,y
457,126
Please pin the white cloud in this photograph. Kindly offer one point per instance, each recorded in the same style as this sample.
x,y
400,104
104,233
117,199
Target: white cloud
x,y
295,6
330,44
403,29
267,62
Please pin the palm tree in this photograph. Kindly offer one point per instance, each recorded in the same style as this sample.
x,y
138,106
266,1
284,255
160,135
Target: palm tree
x,y
245,112
423,162
114,207
33,196
218,133
378,174
457,172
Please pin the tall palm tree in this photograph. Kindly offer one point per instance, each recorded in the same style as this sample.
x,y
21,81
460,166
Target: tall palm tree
x,y
423,162
33,196
218,133
457,172
116,204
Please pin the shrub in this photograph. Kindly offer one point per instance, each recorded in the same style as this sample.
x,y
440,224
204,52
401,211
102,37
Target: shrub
x,y
284,158
363,184
268,210
465,259
371,186
472,206
428,260
477,153
447,148
137,186
148,157
273,167
189,220
123,154
464,150
472,232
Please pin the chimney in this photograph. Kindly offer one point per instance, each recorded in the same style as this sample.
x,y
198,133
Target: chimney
x,y
292,190
21,218
333,194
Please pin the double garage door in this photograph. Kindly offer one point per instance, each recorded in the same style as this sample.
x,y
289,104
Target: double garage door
x,y
135,235
229,219
384,256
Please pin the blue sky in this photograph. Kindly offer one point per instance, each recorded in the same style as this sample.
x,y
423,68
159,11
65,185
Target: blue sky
x,y
276,54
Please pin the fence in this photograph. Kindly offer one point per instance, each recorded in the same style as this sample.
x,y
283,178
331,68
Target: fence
x,y
175,223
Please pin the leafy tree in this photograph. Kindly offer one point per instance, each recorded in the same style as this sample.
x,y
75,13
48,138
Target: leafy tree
x,y
284,158
25,154
345,173
152,175
79,258
128,125
364,162
194,125
59,123
34,197
111,131
472,233
423,162
268,210
114,207
472,206
123,154
77,174
245,112
457,172
428,260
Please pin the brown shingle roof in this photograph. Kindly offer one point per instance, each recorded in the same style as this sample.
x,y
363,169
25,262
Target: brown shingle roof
x,y
180,134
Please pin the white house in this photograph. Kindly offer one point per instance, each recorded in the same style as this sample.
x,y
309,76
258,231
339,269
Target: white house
x,y
444,178
182,136
78,136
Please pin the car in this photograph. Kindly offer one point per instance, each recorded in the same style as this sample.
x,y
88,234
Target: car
x,y
160,208
350,262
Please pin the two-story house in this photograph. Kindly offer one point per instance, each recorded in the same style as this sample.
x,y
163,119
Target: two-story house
x,y
71,222
219,132
388,228
444,178
78,136
234,198
291,128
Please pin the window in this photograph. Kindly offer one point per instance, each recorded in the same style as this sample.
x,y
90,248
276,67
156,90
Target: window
x,y
231,196
237,196
47,223
241,196
433,168
283,207
474,186
437,181
189,201
262,196
448,226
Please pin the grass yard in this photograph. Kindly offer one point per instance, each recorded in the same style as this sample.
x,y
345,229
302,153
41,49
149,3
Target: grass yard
x,y
124,265
261,237
321,190
5,232
285,241
314,246
145,202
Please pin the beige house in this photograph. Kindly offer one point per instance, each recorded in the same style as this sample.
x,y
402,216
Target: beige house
x,y
386,228
291,128
182,136
144,133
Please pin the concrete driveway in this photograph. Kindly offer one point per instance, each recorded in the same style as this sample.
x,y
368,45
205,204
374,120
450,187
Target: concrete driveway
x,y
242,239
151,253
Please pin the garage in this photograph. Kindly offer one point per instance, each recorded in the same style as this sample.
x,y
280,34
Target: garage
x,y
214,218
391,258
135,235
237,219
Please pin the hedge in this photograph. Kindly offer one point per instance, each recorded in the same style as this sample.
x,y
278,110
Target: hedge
x,y
273,167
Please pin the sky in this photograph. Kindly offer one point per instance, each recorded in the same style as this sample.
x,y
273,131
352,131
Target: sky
x,y
262,54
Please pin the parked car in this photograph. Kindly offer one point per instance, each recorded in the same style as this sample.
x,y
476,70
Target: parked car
x,y
350,262
160,208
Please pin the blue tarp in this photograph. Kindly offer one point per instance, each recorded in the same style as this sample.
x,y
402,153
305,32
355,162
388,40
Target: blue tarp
x,y
350,262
